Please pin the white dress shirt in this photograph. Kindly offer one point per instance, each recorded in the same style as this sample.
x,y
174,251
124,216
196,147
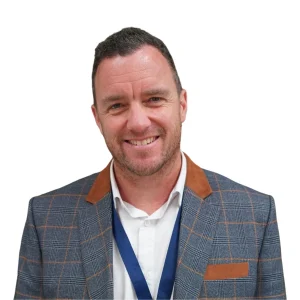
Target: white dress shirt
x,y
149,237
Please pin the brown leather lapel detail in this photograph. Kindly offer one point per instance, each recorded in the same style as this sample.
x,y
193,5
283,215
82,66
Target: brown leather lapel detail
x,y
196,179
101,186
226,271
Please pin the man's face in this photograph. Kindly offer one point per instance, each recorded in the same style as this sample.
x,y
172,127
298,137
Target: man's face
x,y
139,111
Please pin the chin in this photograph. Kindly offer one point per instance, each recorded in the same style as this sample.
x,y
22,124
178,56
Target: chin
x,y
146,167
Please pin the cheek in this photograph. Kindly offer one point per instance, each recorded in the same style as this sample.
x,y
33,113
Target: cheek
x,y
167,115
171,116
112,128
168,123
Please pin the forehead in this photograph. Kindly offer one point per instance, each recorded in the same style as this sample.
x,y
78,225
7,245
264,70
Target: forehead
x,y
146,65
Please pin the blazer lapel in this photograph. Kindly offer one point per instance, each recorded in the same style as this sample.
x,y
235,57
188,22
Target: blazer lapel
x,y
95,225
197,230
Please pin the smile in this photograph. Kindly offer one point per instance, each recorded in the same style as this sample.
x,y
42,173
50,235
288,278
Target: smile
x,y
142,142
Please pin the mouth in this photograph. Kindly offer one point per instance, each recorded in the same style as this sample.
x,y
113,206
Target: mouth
x,y
144,142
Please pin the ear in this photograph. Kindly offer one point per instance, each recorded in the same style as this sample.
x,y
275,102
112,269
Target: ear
x,y
183,105
96,116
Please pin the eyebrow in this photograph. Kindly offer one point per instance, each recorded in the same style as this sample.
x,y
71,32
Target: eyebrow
x,y
156,91
111,98
150,92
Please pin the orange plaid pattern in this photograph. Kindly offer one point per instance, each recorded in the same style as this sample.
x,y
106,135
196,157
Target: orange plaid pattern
x,y
66,249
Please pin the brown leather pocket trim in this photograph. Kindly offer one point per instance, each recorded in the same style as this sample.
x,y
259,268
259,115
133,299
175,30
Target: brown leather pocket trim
x,y
226,271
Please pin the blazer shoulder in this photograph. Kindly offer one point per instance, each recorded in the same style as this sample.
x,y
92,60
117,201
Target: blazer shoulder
x,y
67,193
231,189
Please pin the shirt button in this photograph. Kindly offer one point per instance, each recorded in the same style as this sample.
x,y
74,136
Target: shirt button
x,y
147,223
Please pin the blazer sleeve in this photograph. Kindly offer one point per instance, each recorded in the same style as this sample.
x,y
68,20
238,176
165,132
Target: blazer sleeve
x,y
270,279
29,281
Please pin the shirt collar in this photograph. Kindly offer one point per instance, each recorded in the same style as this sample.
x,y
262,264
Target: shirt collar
x,y
177,190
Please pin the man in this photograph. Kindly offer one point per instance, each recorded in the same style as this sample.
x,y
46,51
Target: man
x,y
152,224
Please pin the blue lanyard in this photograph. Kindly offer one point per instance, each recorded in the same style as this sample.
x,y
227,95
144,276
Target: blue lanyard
x,y
132,265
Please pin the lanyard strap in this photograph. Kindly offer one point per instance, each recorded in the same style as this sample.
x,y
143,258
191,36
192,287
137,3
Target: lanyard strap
x,y
132,265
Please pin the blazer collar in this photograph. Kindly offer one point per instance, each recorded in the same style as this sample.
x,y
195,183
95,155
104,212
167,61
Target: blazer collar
x,y
195,180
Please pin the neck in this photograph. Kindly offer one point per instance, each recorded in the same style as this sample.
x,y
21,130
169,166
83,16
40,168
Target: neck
x,y
148,193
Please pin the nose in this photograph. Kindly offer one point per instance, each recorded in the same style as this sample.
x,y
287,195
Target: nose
x,y
138,120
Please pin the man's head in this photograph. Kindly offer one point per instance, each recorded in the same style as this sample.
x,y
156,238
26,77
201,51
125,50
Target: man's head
x,y
125,42
139,103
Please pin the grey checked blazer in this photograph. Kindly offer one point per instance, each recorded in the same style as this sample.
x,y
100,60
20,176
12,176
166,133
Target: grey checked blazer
x,y
229,244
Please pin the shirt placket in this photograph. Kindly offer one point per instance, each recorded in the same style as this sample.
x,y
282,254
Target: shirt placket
x,y
146,244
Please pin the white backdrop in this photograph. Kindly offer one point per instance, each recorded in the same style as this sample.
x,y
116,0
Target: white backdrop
x,y
238,60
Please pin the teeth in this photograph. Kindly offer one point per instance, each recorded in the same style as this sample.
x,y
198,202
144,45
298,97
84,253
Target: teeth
x,y
143,142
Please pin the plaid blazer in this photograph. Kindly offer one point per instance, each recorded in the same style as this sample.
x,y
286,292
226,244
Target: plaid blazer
x,y
229,244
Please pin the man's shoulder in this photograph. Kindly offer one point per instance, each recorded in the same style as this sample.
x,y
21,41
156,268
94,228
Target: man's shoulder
x,y
232,191
67,195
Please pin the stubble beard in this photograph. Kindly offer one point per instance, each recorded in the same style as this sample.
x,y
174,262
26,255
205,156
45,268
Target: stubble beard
x,y
166,160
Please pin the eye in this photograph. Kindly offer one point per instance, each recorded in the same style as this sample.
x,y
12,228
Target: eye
x,y
115,106
155,99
